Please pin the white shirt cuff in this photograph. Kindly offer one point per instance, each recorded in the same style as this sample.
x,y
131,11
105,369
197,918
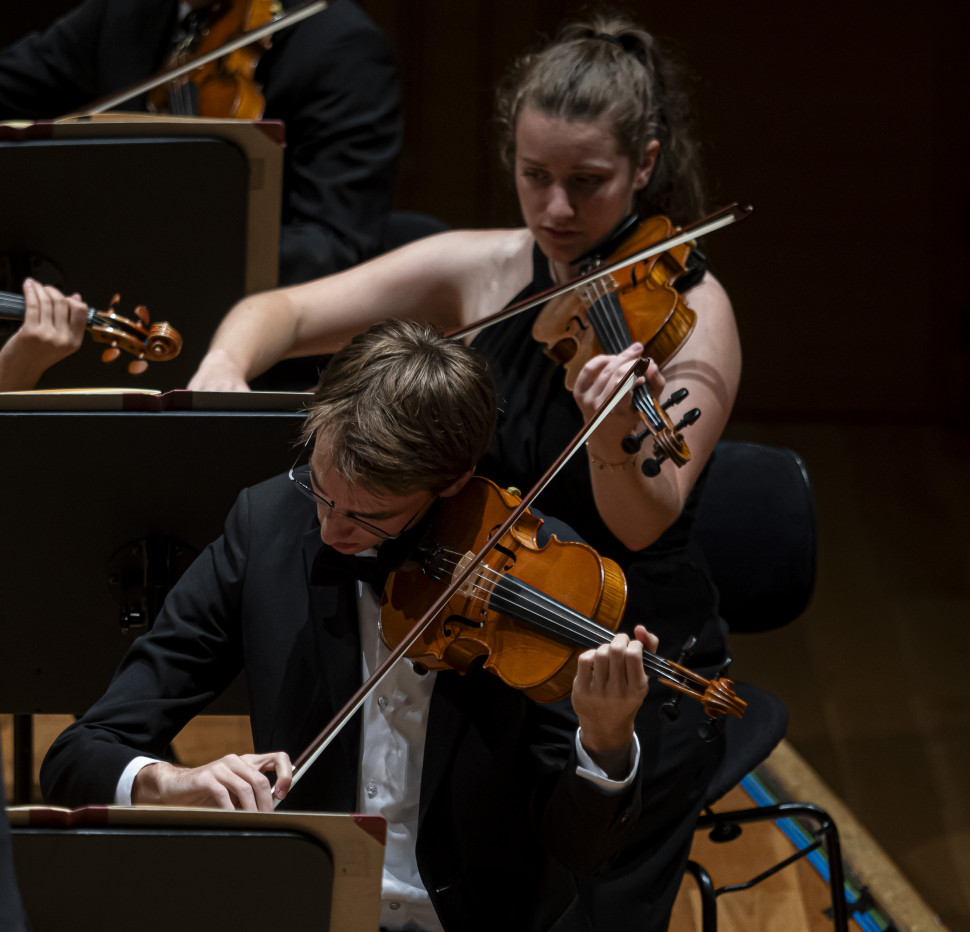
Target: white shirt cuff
x,y
591,771
125,783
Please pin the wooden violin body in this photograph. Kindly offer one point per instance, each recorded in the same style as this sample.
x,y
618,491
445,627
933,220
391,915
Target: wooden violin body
x,y
635,303
145,341
494,614
225,87
503,614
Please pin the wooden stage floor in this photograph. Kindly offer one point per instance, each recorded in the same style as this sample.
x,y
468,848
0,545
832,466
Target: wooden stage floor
x,y
794,900
872,676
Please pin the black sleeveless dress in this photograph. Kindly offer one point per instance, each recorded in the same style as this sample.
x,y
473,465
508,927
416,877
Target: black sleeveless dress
x,y
669,591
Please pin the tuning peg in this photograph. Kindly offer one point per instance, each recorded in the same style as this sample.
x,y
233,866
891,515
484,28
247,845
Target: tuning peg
x,y
689,418
687,651
675,399
709,730
670,710
631,443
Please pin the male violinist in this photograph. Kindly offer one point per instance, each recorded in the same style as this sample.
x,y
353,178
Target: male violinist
x,y
498,808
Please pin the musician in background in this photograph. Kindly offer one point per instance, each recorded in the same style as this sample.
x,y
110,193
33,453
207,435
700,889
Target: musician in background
x,y
53,328
498,808
330,79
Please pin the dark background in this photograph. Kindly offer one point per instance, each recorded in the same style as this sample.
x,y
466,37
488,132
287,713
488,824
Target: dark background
x,y
845,125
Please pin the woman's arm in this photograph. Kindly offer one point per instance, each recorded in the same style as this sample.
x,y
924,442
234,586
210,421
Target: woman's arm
x,y
448,280
638,508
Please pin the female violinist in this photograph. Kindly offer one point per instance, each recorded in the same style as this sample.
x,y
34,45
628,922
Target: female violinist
x,y
617,144
53,328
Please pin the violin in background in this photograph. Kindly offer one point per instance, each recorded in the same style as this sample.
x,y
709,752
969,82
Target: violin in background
x,y
225,87
145,341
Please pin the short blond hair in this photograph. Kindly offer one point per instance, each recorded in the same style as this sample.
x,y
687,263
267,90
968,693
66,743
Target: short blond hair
x,y
403,409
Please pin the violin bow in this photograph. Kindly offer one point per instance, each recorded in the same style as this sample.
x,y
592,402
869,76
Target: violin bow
x,y
296,15
323,740
716,221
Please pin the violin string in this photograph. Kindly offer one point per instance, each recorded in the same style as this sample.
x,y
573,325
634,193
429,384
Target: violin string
x,y
486,573
586,631
605,313
591,634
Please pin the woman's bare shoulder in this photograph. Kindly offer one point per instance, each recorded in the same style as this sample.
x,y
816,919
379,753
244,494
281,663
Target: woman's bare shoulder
x,y
489,267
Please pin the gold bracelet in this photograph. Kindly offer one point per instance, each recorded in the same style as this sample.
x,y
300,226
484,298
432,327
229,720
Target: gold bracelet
x,y
613,467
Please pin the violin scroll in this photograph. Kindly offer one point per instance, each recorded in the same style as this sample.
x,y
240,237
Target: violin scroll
x,y
160,342
668,440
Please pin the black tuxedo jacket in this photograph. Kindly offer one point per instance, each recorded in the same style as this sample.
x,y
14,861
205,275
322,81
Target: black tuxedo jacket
x,y
330,78
506,827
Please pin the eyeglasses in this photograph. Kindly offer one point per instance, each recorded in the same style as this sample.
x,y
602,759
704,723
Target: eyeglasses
x,y
302,478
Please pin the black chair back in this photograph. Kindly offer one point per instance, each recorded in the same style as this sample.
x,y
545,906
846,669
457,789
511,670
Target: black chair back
x,y
756,524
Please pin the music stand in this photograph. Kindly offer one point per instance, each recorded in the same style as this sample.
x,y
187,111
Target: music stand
x,y
196,870
102,511
182,216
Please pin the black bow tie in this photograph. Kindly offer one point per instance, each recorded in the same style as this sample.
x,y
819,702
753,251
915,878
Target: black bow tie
x,y
331,568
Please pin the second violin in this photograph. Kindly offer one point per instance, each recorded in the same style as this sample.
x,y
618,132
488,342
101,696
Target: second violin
x,y
225,87
635,303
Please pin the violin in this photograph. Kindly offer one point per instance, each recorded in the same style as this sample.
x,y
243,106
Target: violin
x,y
502,611
604,311
637,303
176,71
145,341
225,87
